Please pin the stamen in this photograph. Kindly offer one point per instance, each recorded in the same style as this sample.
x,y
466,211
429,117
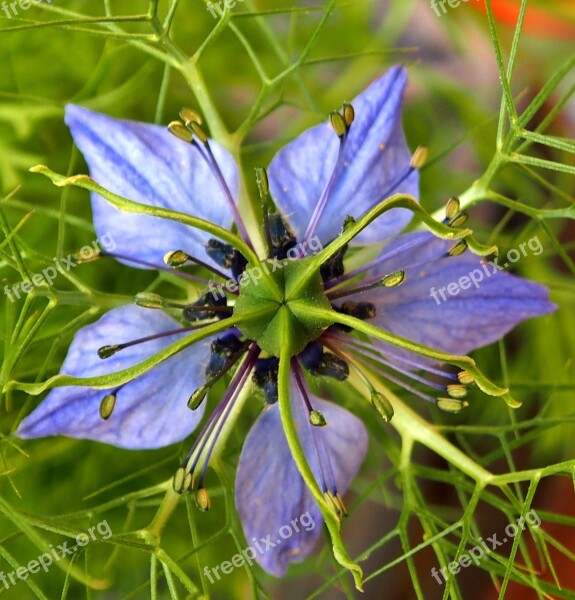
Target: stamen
x,y
417,161
180,131
334,268
205,308
107,405
196,451
458,249
178,258
223,350
359,310
189,115
226,256
377,361
315,417
318,362
282,238
419,158
401,249
328,484
381,404
389,281
205,443
457,391
348,114
465,377
203,500
199,395
368,348
341,128
452,208
265,376
186,133
451,405
108,351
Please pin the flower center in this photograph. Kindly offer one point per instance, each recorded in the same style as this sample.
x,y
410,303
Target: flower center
x,y
265,316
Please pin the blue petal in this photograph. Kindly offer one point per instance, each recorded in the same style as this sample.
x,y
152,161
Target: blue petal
x,y
270,493
472,318
375,159
147,164
151,411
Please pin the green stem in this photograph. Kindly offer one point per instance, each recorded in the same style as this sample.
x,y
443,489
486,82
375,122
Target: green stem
x,y
299,457
396,201
167,507
301,308
120,377
87,183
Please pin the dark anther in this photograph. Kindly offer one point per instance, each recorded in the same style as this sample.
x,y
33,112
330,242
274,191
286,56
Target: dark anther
x,y
333,267
281,236
226,256
359,310
206,300
331,365
266,377
319,362
223,349
311,355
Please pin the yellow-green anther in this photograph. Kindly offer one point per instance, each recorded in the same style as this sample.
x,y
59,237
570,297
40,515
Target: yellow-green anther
x,y
337,123
458,220
188,484
457,391
189,115
198,397
451,405
333,505
465,377
176,258
203,500
262,181
107,351
340,503
80,258
178,480
382,405
317,419
348,114
393,279
149,300
180,131
107,406
419,157
458,249
453,207
198,131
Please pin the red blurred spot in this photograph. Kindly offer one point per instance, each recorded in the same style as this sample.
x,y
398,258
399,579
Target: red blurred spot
x,y
557,19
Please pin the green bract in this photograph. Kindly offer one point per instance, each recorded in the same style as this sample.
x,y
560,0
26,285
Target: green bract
x,y
260,312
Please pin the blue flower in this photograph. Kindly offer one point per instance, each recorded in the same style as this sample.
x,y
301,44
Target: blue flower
x,y
315,182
